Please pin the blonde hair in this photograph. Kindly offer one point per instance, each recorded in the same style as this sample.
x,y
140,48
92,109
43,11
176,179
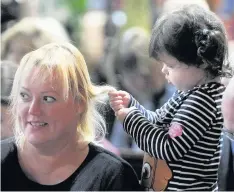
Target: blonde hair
x,y
68,64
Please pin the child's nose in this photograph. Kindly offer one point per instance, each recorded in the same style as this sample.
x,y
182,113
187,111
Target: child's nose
x,y
164,69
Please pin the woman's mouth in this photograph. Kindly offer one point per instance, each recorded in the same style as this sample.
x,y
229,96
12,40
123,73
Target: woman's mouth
x,y
38,124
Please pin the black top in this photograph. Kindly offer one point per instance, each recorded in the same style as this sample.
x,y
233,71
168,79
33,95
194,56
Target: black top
x,y
100,171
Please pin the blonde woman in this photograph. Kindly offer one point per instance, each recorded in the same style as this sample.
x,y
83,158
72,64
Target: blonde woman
x,y
57,126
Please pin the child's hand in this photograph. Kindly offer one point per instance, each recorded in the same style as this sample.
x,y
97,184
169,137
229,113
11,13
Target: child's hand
x,y
119,99
122,113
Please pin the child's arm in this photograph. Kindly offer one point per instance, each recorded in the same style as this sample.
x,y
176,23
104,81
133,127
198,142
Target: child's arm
x,y
153,116
122,99
188,126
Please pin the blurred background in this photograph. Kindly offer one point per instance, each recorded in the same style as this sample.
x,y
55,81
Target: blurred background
x,y
113,36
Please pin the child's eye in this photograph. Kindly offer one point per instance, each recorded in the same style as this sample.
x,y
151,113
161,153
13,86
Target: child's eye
x,y
49,99
24,96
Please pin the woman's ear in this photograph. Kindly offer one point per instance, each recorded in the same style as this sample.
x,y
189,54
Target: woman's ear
x,y
80,106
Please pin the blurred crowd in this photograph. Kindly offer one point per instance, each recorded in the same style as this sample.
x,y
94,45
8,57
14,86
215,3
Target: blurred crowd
x,y
114,54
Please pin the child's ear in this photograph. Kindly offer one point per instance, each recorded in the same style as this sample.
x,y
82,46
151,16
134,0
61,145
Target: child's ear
x,y
203,66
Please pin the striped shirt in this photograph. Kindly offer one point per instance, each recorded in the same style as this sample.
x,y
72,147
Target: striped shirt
x,y
193,154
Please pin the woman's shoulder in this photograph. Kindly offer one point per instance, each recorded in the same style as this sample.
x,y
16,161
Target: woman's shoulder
x,y
105,158
117,170
106,155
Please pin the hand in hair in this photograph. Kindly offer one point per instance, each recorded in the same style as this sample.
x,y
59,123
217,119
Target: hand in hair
x,y
119,102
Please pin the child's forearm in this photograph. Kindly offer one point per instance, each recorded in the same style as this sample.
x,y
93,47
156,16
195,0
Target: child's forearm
x,y
150,115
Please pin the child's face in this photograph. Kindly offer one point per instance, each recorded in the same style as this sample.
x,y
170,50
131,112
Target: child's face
x,y
182,76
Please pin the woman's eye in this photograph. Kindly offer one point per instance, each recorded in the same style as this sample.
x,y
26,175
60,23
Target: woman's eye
x,y
24,96
49,99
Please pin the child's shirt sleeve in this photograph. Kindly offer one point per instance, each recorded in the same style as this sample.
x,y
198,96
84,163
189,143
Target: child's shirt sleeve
x,y
158,116
188,125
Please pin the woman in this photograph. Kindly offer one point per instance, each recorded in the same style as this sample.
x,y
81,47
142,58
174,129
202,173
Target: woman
x,y
56,127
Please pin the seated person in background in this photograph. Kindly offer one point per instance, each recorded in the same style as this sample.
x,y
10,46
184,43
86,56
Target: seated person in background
x,y
183,135
8,70
29,34
57,128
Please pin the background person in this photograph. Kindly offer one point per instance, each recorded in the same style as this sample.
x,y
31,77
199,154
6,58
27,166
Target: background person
x,y
8,70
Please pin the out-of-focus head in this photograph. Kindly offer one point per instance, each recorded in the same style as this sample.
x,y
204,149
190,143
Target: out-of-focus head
x,y
92,37
134,65
8,70
194,36
53,97
170,5
29,34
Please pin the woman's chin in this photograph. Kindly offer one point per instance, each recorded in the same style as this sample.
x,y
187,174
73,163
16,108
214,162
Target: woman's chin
x,y
36,138
35,141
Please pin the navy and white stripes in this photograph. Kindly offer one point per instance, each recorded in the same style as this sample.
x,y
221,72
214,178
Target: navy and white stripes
x,y
193,157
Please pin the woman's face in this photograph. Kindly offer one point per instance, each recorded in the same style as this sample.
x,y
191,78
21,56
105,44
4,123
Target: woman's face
x,y
43,113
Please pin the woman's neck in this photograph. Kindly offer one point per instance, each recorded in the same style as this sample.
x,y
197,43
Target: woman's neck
x,y
51,168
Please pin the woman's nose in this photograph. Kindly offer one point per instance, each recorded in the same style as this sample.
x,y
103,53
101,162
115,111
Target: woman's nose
x,y
35,108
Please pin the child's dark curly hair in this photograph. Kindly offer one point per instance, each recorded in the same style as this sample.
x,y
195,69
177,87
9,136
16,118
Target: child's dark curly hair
x,y
194,36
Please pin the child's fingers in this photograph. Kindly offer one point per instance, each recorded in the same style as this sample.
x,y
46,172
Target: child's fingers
x,y
113,93
125,99
116,102
122,93
116,106
114,98
117,93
